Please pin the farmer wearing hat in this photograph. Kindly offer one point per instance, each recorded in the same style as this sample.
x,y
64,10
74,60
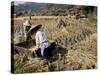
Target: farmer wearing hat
x,y
41,39
26,27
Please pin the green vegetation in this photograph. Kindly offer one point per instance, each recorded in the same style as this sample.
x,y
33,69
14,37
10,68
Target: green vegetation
x,y
47,9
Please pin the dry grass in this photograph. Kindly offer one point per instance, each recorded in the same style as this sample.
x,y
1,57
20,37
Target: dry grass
x,y
85,54
78,38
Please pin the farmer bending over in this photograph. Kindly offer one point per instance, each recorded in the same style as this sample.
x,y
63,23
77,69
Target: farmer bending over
x,y
41,39
26,27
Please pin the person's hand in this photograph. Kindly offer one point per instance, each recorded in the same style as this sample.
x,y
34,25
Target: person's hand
x,y
33,49
36,47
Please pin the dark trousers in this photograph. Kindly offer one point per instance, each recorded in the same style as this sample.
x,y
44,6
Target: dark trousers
x,y
47,52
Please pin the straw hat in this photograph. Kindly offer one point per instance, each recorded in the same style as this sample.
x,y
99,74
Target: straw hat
x,y
34,28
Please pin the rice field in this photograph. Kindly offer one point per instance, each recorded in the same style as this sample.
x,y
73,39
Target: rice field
x,y
76,44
